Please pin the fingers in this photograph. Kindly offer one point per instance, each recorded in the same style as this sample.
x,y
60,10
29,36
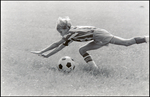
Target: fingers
x,y
42,55
35,52
39,54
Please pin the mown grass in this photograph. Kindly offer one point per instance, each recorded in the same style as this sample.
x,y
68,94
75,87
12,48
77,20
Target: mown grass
x,y
28,26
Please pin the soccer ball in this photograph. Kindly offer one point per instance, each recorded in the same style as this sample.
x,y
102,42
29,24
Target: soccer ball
x,y
66,64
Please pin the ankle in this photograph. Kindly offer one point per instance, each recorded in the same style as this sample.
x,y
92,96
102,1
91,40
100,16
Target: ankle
x,y
91,63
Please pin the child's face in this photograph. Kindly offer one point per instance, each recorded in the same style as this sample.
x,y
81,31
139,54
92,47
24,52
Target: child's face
x,y
63,31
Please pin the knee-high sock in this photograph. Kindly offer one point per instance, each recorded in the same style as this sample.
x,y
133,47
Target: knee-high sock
x,y
140,40
87,57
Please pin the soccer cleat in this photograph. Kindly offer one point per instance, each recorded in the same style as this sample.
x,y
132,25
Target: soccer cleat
x,y
146,38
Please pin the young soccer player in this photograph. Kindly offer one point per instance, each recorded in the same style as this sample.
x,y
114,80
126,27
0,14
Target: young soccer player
x,y
98,37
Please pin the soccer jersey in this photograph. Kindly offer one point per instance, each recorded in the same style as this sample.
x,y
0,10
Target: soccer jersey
x,y
80,33
88,33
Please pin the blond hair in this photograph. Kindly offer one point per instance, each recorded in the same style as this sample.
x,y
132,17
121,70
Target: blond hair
x,y
63,23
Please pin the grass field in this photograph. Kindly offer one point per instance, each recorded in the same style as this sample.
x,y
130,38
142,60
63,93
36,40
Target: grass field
x,y
28,26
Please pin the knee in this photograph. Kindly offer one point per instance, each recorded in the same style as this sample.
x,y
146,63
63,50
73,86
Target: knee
x,y
82,51
127,43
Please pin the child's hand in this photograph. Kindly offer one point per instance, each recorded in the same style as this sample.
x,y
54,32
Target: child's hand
x,y
42,55
39,54
36,52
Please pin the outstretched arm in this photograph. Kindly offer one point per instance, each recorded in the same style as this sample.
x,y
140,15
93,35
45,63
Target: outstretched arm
x,y
57,49
54,45
54,51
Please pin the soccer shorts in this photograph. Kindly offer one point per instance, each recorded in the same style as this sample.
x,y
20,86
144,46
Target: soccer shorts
x,y
101,36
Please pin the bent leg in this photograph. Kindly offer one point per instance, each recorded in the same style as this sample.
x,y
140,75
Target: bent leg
x,y
89,46
88,58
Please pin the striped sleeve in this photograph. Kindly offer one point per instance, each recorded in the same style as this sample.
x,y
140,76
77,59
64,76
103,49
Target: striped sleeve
x,y
68,38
